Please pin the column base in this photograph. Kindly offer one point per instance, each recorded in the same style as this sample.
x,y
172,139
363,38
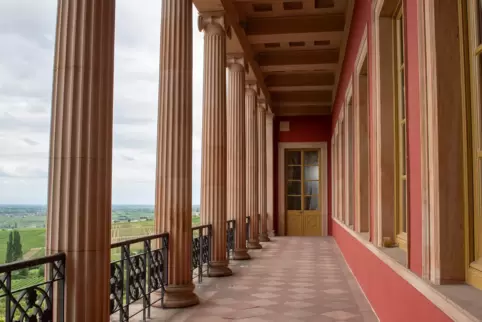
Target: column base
x,y
219,269
241,255
253,244
263,237
179,296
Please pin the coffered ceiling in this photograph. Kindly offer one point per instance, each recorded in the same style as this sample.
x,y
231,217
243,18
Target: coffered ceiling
x,y
294,48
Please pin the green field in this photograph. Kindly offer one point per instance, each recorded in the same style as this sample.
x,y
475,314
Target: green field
x,y
33,245
34,238
31,238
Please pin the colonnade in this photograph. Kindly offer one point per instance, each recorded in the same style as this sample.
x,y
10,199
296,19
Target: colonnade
x,y
234,161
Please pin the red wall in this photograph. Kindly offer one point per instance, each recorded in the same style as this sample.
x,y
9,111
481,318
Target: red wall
x,y
361,19
413,139
385,289
392,298
302,129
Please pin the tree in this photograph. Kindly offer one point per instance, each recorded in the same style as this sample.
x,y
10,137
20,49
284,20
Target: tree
x,y
17,253
9,255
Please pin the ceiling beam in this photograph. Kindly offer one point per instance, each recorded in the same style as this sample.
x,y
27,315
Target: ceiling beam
x,y
295,25
298,57
295,110
299,79
301,97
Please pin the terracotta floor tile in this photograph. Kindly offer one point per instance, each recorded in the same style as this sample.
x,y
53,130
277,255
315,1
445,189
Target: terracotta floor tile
x,y
282,284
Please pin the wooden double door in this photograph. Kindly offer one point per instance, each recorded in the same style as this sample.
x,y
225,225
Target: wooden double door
x,y
303,197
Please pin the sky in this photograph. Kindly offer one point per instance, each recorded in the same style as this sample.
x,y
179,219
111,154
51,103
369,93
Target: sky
x,y
27,35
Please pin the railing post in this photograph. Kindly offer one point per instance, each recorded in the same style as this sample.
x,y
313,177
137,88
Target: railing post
x,y
126,258
147,285
200,258
210,238
61,290
8,280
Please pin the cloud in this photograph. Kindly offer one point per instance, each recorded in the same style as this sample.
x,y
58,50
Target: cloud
x,y
27,35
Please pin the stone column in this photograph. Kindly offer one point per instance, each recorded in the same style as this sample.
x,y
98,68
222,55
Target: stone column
x,y
214,142
236,126
252,165
262,209
80,170
269,171
173,209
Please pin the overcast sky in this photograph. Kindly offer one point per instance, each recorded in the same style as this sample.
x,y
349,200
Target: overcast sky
x,y
27,38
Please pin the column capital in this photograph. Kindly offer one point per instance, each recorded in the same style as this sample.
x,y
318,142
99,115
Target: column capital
x,y
213,23
269,113
237,62
251,89
262,104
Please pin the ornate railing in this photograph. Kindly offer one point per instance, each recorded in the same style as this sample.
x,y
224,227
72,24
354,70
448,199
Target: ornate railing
x,y
201,251
230,235
41,298
141,270
248,222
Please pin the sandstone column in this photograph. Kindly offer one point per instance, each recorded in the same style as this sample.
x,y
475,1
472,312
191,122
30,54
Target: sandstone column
x,y
80,170
237,153
269,171
252,165
213,164
173,213
262,209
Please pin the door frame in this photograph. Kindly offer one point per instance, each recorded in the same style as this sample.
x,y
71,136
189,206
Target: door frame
x,y
322,147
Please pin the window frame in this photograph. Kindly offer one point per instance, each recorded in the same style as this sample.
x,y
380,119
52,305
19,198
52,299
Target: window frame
x,y
474,269
400,128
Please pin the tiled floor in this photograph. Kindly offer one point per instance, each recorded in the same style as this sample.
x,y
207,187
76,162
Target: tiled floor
x,y
290,279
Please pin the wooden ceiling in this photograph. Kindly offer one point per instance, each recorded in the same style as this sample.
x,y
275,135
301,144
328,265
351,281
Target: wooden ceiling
x,y
294,48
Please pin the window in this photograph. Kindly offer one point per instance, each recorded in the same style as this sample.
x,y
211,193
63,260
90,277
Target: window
x,y
474,275
349,163
400,131
342,170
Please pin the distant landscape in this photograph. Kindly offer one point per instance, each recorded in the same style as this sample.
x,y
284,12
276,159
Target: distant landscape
x,y
128,221
29,221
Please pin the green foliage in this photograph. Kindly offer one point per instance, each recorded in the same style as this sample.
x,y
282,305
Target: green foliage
x,y
31,238
9,253
17,252
41,271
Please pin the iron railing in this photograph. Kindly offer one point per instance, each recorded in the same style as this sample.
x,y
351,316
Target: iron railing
x,y
141,270
39,300
248,222
230,236
201,251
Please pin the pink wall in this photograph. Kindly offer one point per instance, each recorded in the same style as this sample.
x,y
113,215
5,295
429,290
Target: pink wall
x,y
413,138
379,282
361,19
302,129
392,298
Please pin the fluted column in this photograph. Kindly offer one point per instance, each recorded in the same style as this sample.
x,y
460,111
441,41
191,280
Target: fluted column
x,y
252,165
173,208
269,171
213,164
80,173
237,153
262,209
